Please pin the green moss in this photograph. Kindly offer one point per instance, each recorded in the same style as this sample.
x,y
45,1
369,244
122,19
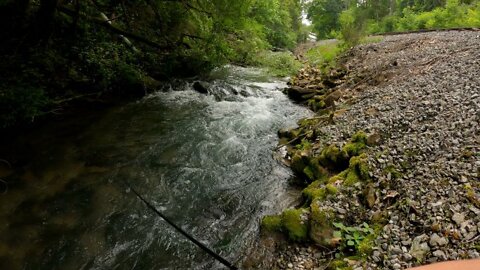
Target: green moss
x,y
352,178
319,172
318,191
353,149
294,224
365,247
357,170
339,177
359,165
311,194
272,223
359,137
357,144
294,133
321,228
339,264
390,169
297,165
308,122
331,189
304,145
309,173
471,195
332,157
316,105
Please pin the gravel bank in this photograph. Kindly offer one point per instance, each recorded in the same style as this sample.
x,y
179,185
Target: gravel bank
x,y
419,95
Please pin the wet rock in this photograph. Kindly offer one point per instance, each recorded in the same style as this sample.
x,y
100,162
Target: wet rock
x,y
201,87
298,93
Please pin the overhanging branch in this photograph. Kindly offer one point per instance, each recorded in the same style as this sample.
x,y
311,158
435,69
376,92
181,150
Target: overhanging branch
x,y
108,25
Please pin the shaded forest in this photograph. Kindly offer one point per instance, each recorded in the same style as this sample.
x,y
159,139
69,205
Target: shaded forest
x,y
56,52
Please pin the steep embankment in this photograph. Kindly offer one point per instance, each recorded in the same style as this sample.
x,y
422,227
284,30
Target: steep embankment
x,y
405,191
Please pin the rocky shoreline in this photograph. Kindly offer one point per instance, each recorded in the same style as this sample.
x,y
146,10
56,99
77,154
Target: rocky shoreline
x,y
391,163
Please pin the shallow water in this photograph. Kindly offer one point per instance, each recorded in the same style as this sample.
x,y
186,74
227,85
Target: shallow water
x,y
204,160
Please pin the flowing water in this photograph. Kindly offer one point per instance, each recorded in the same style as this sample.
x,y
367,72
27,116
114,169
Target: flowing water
x,y
204,160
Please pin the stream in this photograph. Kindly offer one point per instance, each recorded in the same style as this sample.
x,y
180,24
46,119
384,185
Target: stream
x,y
205,161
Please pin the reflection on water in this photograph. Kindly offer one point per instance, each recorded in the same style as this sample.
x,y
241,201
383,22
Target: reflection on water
x,y
205,161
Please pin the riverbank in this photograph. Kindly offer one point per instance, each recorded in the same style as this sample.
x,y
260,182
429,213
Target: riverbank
x,y
391,163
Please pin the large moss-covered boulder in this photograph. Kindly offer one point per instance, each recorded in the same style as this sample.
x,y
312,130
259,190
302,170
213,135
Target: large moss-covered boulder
x,y
357,170
321,227
295,224
357,144
333,158
318,191
272,223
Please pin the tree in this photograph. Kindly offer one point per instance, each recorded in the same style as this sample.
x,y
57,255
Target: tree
x,y
324,15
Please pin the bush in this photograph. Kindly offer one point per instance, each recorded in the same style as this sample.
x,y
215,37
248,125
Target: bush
x,y
352,27
20,102
280,64
324,55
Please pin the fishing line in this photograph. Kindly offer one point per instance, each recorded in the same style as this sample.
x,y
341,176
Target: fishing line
x,y
210,252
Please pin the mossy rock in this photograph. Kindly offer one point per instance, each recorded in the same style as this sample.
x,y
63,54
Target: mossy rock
x,y
356,145
298,163
339,264
308,172
295,224
357,172
352,178
315,105
321,228
331,189
318,191
333,158
307,167
359,137
308,122
304,144
314,191
319,172
339,177
272,223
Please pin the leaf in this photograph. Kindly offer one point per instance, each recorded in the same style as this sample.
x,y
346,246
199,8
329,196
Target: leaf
x,y
350,243
337,234
338,225
348,229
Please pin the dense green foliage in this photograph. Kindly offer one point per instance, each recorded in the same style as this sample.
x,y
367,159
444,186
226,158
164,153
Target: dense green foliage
x,y
349,20
54,51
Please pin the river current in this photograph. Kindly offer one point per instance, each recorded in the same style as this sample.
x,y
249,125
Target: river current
x,y
203,160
